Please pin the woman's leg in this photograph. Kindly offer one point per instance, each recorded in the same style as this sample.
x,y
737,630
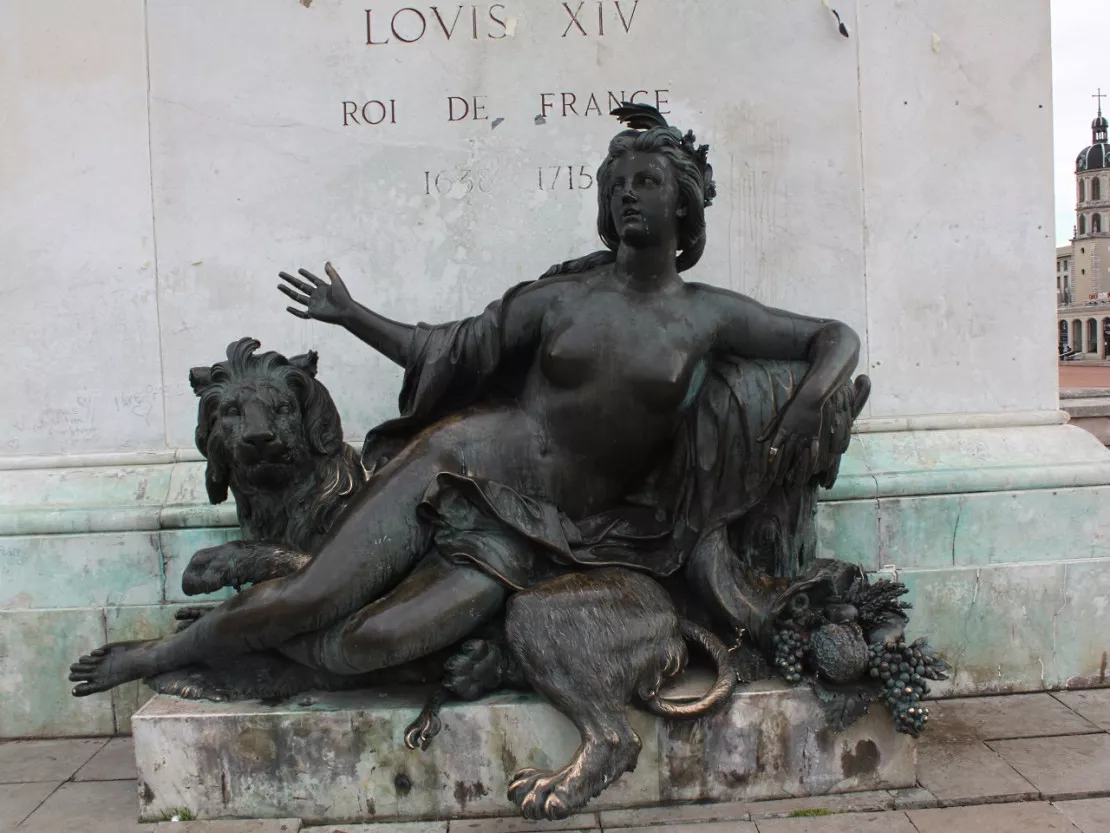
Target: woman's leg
x,y
438,604
375,546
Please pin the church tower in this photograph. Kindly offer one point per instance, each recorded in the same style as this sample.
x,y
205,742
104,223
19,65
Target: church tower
x,y
1091,243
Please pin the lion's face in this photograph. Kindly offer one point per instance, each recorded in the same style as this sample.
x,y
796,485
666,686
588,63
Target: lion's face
x,y
262,419
262,429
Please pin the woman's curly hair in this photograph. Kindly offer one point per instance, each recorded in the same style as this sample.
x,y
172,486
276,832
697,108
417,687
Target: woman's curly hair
x,y
650,133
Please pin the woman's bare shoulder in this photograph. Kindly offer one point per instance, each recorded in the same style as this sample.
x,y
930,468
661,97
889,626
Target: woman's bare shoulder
x,y
720,301
566,284
711,292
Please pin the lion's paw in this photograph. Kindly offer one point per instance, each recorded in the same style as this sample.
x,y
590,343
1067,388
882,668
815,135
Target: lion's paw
x,y
548,795
211,569
193,683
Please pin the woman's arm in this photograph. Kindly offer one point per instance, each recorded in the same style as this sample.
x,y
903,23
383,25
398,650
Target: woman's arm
x,y
520,312
747,328
333,303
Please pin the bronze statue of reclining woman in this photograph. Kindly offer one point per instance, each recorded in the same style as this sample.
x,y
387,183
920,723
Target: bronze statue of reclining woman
x,y
587,434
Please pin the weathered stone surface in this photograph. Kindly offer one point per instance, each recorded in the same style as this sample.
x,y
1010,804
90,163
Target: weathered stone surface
x,y
964,529
847,803
913,798
36,649
115,568
958,773
247,760
44,760
675,814
236,826
698,827
1013,716
1061,768
513,824
17,801
91,807
774,743
102,296
243,759
1090,815
994,624
920,365
1092,704
114,762
389,827
840,823
1027,817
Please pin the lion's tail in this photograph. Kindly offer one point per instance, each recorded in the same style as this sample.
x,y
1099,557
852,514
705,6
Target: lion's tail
x,y
718,694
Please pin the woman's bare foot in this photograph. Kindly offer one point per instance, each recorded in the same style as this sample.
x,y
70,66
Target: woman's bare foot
x,y
112,665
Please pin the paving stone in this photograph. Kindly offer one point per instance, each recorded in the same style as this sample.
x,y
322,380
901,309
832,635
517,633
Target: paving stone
x,y
958,773
22,761
232,826
1010,716
115,762
1027,817
89,807
915,798
1090,815
388,827
513,824
845,803
705,827
18,800
1061,768
892,822
1093,704
674,814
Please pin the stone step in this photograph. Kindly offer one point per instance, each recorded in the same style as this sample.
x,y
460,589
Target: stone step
x,y
340,757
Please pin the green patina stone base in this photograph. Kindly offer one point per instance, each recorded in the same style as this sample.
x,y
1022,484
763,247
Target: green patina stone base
x,y
1001,534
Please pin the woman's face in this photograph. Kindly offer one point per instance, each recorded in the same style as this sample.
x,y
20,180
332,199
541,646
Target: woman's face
x,y
643,199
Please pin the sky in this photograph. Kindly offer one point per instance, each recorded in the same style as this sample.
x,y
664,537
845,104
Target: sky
x,y
1080,64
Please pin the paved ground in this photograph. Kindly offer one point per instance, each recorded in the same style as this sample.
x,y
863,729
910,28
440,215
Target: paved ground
x,y
1031,763
1074,375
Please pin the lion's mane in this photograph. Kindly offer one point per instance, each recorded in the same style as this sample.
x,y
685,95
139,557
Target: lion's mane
x,y
299,512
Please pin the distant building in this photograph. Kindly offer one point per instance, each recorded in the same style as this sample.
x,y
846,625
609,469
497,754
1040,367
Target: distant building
x,y
1083,268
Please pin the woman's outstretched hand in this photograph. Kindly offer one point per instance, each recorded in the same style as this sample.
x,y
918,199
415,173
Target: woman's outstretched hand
x,y
322,301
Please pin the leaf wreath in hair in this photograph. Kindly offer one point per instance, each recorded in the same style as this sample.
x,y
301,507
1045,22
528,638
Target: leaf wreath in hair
x,y
701,154
646,117
639,116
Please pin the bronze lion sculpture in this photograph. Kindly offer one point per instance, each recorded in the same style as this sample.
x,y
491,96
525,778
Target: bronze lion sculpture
x,y
272,435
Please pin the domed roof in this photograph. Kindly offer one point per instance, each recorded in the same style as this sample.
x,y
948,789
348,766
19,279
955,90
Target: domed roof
x,y
1097,154
1094,157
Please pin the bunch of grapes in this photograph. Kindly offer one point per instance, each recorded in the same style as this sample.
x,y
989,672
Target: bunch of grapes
x,y
903,669
790,647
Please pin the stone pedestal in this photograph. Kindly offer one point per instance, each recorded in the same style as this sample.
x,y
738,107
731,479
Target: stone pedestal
x,y
340,757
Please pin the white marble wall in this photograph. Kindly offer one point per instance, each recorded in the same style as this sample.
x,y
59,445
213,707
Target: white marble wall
x,y
78,310
898,179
